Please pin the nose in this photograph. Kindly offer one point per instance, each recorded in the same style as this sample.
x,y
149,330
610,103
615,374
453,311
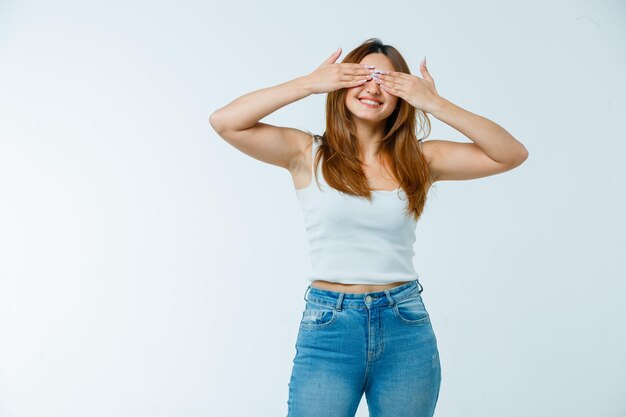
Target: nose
x,y
372,86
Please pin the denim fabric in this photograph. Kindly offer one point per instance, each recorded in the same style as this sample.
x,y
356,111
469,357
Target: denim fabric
x,y
380,344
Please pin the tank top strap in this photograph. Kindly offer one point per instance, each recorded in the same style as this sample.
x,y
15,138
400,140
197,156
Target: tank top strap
x,y
314,147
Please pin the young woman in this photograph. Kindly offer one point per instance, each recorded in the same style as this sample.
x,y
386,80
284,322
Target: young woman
x,y
362,186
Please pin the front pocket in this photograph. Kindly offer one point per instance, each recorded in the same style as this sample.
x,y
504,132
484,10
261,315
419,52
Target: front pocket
x,y
412,311
316,315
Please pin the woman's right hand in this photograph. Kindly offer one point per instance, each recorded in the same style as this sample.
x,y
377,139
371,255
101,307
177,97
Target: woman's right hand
x,y
330,76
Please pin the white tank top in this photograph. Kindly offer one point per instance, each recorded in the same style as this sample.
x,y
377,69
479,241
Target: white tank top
x,y
353,240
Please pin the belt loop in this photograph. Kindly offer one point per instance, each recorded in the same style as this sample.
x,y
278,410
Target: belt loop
x,y
418,283
339,301
307,292
390,298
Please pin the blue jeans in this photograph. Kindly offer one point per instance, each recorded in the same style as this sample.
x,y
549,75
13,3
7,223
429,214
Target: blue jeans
x,y
378,343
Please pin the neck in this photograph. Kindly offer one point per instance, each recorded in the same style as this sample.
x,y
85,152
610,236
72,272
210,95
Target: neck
x,y
369,135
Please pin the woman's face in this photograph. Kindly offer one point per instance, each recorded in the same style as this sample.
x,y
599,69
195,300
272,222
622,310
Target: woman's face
x,y
372,90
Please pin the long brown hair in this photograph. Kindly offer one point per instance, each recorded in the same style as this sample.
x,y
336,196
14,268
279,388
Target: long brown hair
x,y
399,149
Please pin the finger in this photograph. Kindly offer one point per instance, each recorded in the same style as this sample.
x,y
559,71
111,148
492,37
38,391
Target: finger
x,y
425,72
350,80
358,69
399,81
356,73
333,57
355,65
394,75
389,80
389,90
360,80
388,87
354,83
385,72
394,87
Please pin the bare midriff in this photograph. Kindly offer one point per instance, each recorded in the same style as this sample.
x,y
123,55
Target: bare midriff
x,y
354,288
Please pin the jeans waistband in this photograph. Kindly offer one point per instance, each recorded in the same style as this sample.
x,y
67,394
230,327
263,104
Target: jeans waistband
x,y
341,300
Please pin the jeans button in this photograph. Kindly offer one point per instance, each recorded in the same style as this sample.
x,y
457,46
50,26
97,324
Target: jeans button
x,y
368,298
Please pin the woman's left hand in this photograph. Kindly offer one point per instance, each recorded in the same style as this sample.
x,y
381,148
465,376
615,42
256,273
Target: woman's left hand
x,y
418,92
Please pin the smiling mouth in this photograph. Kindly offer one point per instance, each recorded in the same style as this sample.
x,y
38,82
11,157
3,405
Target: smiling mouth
x,y
369,103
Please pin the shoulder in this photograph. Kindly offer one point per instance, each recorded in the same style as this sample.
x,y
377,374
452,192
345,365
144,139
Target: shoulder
x,y
302,142
424,144
429,150
307,144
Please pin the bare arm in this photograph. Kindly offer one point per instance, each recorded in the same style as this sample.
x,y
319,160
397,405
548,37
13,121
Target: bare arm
x,y
245,111
238,123
493,151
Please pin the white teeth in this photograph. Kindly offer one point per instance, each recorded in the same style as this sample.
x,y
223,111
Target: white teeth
x,y
370,102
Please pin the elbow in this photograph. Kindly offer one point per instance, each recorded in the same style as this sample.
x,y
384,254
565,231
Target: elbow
x,y
214,121
516,160
523,156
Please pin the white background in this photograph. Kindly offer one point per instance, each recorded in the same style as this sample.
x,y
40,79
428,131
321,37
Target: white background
x,y
148,268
